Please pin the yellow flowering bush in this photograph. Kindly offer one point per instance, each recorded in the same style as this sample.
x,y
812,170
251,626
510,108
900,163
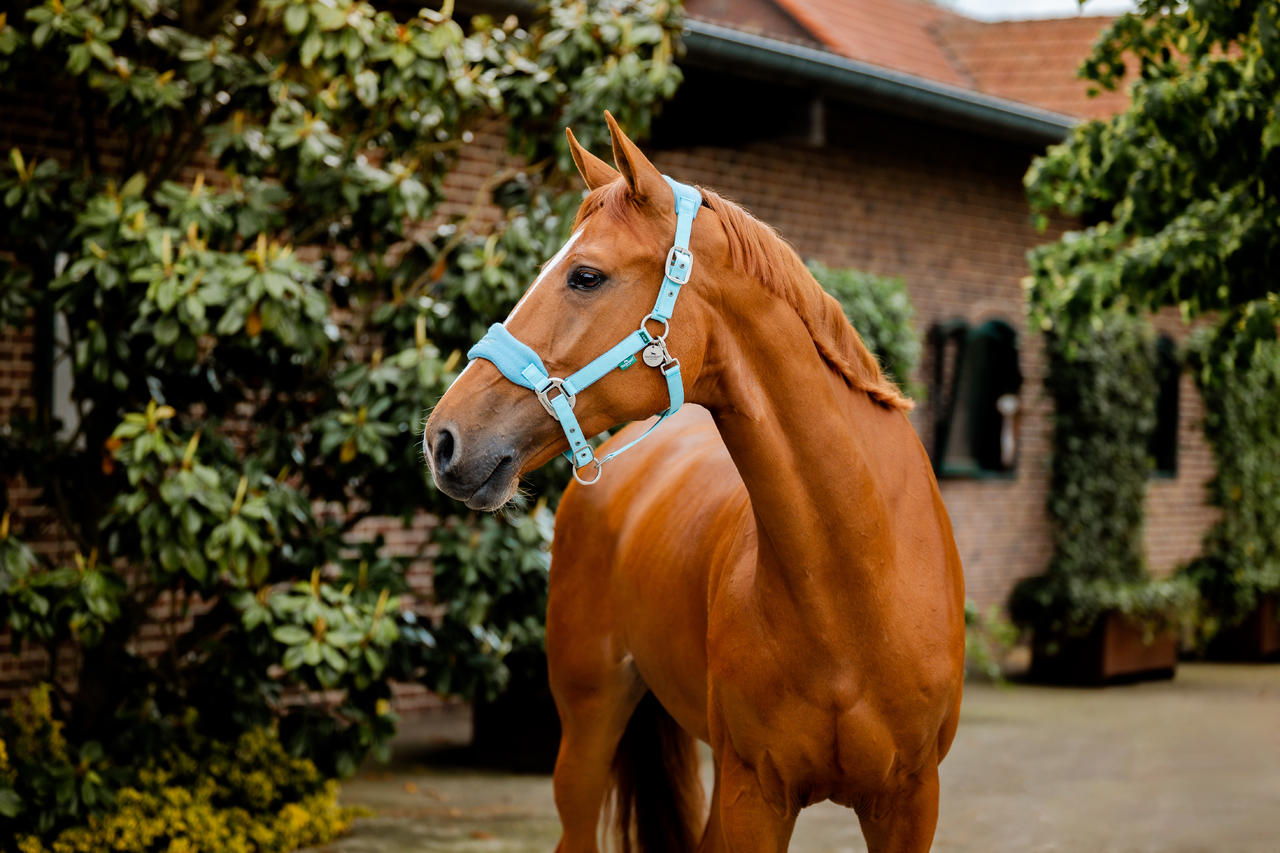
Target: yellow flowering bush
x,y
185,820
243,795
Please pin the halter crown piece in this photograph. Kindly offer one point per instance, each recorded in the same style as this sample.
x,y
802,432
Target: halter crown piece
x,y
521,365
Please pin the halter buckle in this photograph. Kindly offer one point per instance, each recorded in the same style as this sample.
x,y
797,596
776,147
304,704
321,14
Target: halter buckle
x,y
554,384
679,265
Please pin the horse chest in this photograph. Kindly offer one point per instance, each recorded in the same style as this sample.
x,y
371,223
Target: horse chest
x,y
802,721
807,740
803,751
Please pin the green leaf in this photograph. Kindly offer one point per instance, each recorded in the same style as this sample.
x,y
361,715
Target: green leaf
x,y
10,803
291,635
294,658
295,19
1271,134
166,331
310,49
330,17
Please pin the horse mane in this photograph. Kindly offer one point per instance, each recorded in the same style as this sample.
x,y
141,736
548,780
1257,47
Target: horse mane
x,y
756,250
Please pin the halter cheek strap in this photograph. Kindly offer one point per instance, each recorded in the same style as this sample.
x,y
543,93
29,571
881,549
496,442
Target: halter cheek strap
x,y
521,365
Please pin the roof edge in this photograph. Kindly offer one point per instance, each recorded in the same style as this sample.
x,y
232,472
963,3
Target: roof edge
x,y
802,16
960,105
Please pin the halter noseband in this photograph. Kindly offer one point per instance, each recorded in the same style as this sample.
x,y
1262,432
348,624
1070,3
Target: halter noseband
x,y
520,364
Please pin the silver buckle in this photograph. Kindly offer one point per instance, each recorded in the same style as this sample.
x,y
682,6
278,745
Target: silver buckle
x,y
679,265
546,403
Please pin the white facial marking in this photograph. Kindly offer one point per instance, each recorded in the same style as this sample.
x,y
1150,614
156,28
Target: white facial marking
x,y
546,268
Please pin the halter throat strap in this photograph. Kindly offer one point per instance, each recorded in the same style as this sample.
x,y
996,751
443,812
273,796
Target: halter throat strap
x,y
521,365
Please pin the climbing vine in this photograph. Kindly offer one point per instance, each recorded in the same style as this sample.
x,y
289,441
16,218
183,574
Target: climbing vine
x,y
1104,416
1239,378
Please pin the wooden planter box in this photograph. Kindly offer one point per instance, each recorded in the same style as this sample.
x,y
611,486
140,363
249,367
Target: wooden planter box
x,y
1114,651
1256,638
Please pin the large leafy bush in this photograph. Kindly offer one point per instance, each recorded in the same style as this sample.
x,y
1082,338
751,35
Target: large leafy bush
x,y
236,265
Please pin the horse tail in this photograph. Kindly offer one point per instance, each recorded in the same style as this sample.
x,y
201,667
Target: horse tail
x,y
658,800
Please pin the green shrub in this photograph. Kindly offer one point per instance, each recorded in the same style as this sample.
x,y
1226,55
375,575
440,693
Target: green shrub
x,y
254,320
197,793
492,571
1103,392
880,309
1238,372
988,639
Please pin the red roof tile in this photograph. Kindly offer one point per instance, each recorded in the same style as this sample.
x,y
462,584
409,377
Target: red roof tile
x,y
1032,62
890,33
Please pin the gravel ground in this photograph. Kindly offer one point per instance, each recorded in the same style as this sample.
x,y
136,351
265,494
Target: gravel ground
x,y
1186,765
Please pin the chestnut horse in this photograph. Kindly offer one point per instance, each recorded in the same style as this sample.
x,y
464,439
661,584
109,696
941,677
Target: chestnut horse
x,y
777,579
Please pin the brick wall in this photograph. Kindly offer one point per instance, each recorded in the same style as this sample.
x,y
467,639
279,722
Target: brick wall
x,y
946,211
1177,516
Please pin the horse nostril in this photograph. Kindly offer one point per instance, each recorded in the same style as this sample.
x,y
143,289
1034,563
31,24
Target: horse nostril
x,y
442,452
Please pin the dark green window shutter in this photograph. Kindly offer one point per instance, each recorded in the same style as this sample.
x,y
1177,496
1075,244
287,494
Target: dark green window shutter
x,y
1164,440
973,369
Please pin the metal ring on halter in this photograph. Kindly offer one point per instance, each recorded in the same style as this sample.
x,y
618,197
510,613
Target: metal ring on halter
x,y
553,384
599,470
666,326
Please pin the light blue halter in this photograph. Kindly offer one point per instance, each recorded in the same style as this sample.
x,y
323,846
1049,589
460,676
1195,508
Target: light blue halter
x,y
522,365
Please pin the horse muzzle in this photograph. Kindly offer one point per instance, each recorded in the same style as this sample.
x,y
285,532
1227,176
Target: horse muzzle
x,y
482,471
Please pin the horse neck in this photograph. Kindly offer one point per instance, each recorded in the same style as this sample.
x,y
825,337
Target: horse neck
x,y
802,440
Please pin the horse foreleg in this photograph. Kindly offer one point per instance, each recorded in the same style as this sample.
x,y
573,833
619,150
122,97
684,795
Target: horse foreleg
x,y
593,717
903,822
748,822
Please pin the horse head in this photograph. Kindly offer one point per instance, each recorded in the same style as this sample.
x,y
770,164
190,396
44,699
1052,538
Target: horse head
x,y
595,307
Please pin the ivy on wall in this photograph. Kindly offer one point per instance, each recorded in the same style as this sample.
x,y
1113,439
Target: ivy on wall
x,y
1104,416
1239,378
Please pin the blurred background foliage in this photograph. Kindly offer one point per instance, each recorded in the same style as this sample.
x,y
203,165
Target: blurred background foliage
x,y
1240,560
1179,191
1104,415
244,303
880,308
1180,194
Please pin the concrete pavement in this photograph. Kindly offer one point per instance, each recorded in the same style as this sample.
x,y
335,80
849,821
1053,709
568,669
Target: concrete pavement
x,y
1180,766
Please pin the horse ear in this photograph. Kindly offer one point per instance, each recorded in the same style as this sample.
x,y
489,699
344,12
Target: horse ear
x,y
595,172
643,178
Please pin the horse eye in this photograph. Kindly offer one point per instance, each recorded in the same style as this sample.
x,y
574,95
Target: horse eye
x,y
585,279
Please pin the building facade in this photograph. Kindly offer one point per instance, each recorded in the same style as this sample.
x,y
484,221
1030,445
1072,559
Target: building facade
x,y
892,136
